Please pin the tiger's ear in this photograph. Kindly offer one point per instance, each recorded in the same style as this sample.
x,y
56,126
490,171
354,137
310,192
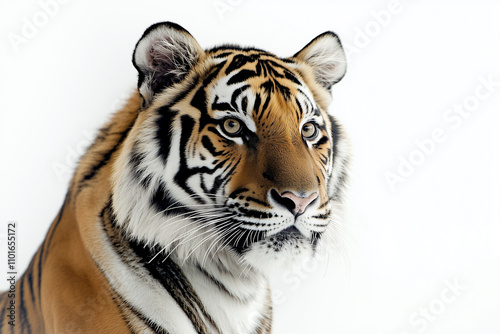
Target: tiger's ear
x,y
163,56
326,57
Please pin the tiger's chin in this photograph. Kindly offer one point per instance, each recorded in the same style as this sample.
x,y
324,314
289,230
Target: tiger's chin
x,y
285,250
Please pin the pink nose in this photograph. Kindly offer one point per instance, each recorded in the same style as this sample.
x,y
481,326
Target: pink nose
x,y
301,203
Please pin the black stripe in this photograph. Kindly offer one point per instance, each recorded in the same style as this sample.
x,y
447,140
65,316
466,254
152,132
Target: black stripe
x,y
290,76
214,72
236,192
184,172
180,96
256,104
164,203
23,314
221,55
241,60
170,276
40,259
320,142
139,172
244,105
164,131
323,159
335,136
199,100
218,182
241,76
322,216
262,68
207,143
223,106
283,90
29,273
267,86
187,125
255,213
105,157
271,67
264,106
165,271
255,200
219,284
222,179
118,241
231,47
236,94
297,102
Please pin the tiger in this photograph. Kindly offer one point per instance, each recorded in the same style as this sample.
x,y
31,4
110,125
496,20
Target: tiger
x,y
222,168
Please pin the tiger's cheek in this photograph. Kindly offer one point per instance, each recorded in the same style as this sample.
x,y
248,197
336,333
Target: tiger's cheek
x,y
220,158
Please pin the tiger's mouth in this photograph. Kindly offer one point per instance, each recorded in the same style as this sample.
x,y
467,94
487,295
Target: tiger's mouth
x,y
276,237
289,236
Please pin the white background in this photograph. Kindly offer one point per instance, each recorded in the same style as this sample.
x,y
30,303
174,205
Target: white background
x,y
440,224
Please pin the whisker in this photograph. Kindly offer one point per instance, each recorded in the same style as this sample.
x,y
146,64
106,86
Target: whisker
x,y
218,240
181,236
188,215
214,233
189,234
241,235
228,240
179,201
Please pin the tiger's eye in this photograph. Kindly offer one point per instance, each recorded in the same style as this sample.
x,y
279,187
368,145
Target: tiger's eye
x,y
309,131
232,126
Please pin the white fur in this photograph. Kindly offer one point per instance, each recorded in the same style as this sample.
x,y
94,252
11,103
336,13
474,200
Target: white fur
x,y
143,292
327,58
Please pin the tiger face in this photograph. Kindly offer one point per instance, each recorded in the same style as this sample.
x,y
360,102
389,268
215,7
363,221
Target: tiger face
x,y
233,156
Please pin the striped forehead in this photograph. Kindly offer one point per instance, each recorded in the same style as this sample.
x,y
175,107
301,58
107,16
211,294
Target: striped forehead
x,y
247,83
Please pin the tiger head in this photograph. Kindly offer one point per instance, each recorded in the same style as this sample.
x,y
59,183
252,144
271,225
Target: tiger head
x,y
233,154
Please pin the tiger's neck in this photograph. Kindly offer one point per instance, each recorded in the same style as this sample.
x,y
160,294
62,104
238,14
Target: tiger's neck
x,y
219,296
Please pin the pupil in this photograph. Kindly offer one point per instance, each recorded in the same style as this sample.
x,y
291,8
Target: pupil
x,y
308,130
232,126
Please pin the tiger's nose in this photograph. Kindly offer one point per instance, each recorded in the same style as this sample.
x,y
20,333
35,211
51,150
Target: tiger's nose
x,y
295,204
